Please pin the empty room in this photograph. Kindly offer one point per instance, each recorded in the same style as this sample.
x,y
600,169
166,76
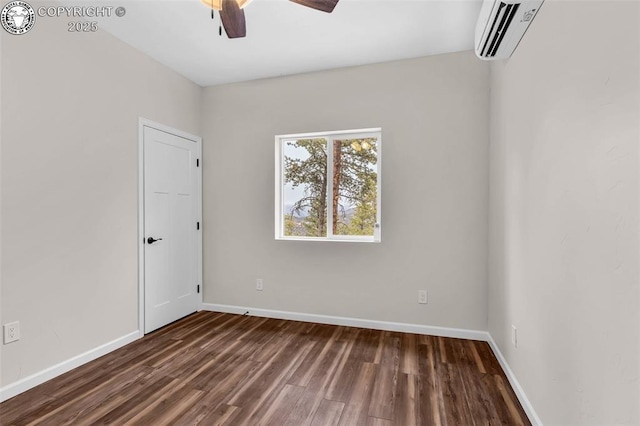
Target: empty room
x,y
320,212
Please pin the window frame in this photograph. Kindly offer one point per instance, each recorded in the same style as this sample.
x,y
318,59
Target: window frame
x,y
330,136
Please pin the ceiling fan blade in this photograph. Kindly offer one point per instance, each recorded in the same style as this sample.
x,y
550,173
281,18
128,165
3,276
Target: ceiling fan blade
x,y
323,5
233,19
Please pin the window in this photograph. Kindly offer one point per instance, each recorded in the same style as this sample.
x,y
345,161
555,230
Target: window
x,y
328,186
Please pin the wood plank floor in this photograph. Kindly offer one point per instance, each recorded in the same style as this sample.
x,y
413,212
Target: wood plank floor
x,y
221,369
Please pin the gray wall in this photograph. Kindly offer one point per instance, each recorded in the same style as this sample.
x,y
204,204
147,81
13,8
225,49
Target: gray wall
x,y
70,107
434,116
564,212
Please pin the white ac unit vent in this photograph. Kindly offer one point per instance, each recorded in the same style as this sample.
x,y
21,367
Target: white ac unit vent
x,y
501,25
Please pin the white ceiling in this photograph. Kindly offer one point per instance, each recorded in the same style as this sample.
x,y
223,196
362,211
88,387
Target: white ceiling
x,y
286,38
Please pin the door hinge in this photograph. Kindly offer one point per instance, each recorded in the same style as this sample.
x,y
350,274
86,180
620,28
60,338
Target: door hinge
x,y
197,162
198,286
198,226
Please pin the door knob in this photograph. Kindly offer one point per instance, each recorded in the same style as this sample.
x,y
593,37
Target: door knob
x,y
152,240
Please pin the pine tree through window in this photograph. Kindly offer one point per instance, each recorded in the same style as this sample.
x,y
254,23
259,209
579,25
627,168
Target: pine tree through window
x,y
328,186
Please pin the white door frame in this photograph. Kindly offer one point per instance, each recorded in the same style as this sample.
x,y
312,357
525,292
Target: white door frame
x,y
142,123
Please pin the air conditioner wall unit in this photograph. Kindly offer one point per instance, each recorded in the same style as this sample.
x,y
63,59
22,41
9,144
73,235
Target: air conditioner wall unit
x,y
501,25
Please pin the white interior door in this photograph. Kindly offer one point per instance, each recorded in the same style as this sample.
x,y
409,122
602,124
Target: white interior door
x,y
171,227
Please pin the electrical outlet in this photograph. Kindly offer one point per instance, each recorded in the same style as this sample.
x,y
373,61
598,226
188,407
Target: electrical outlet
x,y
259,284
11,332
514,336
422,297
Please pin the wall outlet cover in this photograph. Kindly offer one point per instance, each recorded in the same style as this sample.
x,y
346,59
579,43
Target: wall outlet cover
x,y
11,332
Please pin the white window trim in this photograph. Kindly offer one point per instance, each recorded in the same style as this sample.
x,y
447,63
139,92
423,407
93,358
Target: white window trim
x,y
330,137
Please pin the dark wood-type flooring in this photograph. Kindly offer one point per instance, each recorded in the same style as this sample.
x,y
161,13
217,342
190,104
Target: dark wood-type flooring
x,y
221,369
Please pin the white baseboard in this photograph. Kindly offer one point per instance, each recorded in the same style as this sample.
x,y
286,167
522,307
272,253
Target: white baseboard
x,y
522,397
459,333
34,380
